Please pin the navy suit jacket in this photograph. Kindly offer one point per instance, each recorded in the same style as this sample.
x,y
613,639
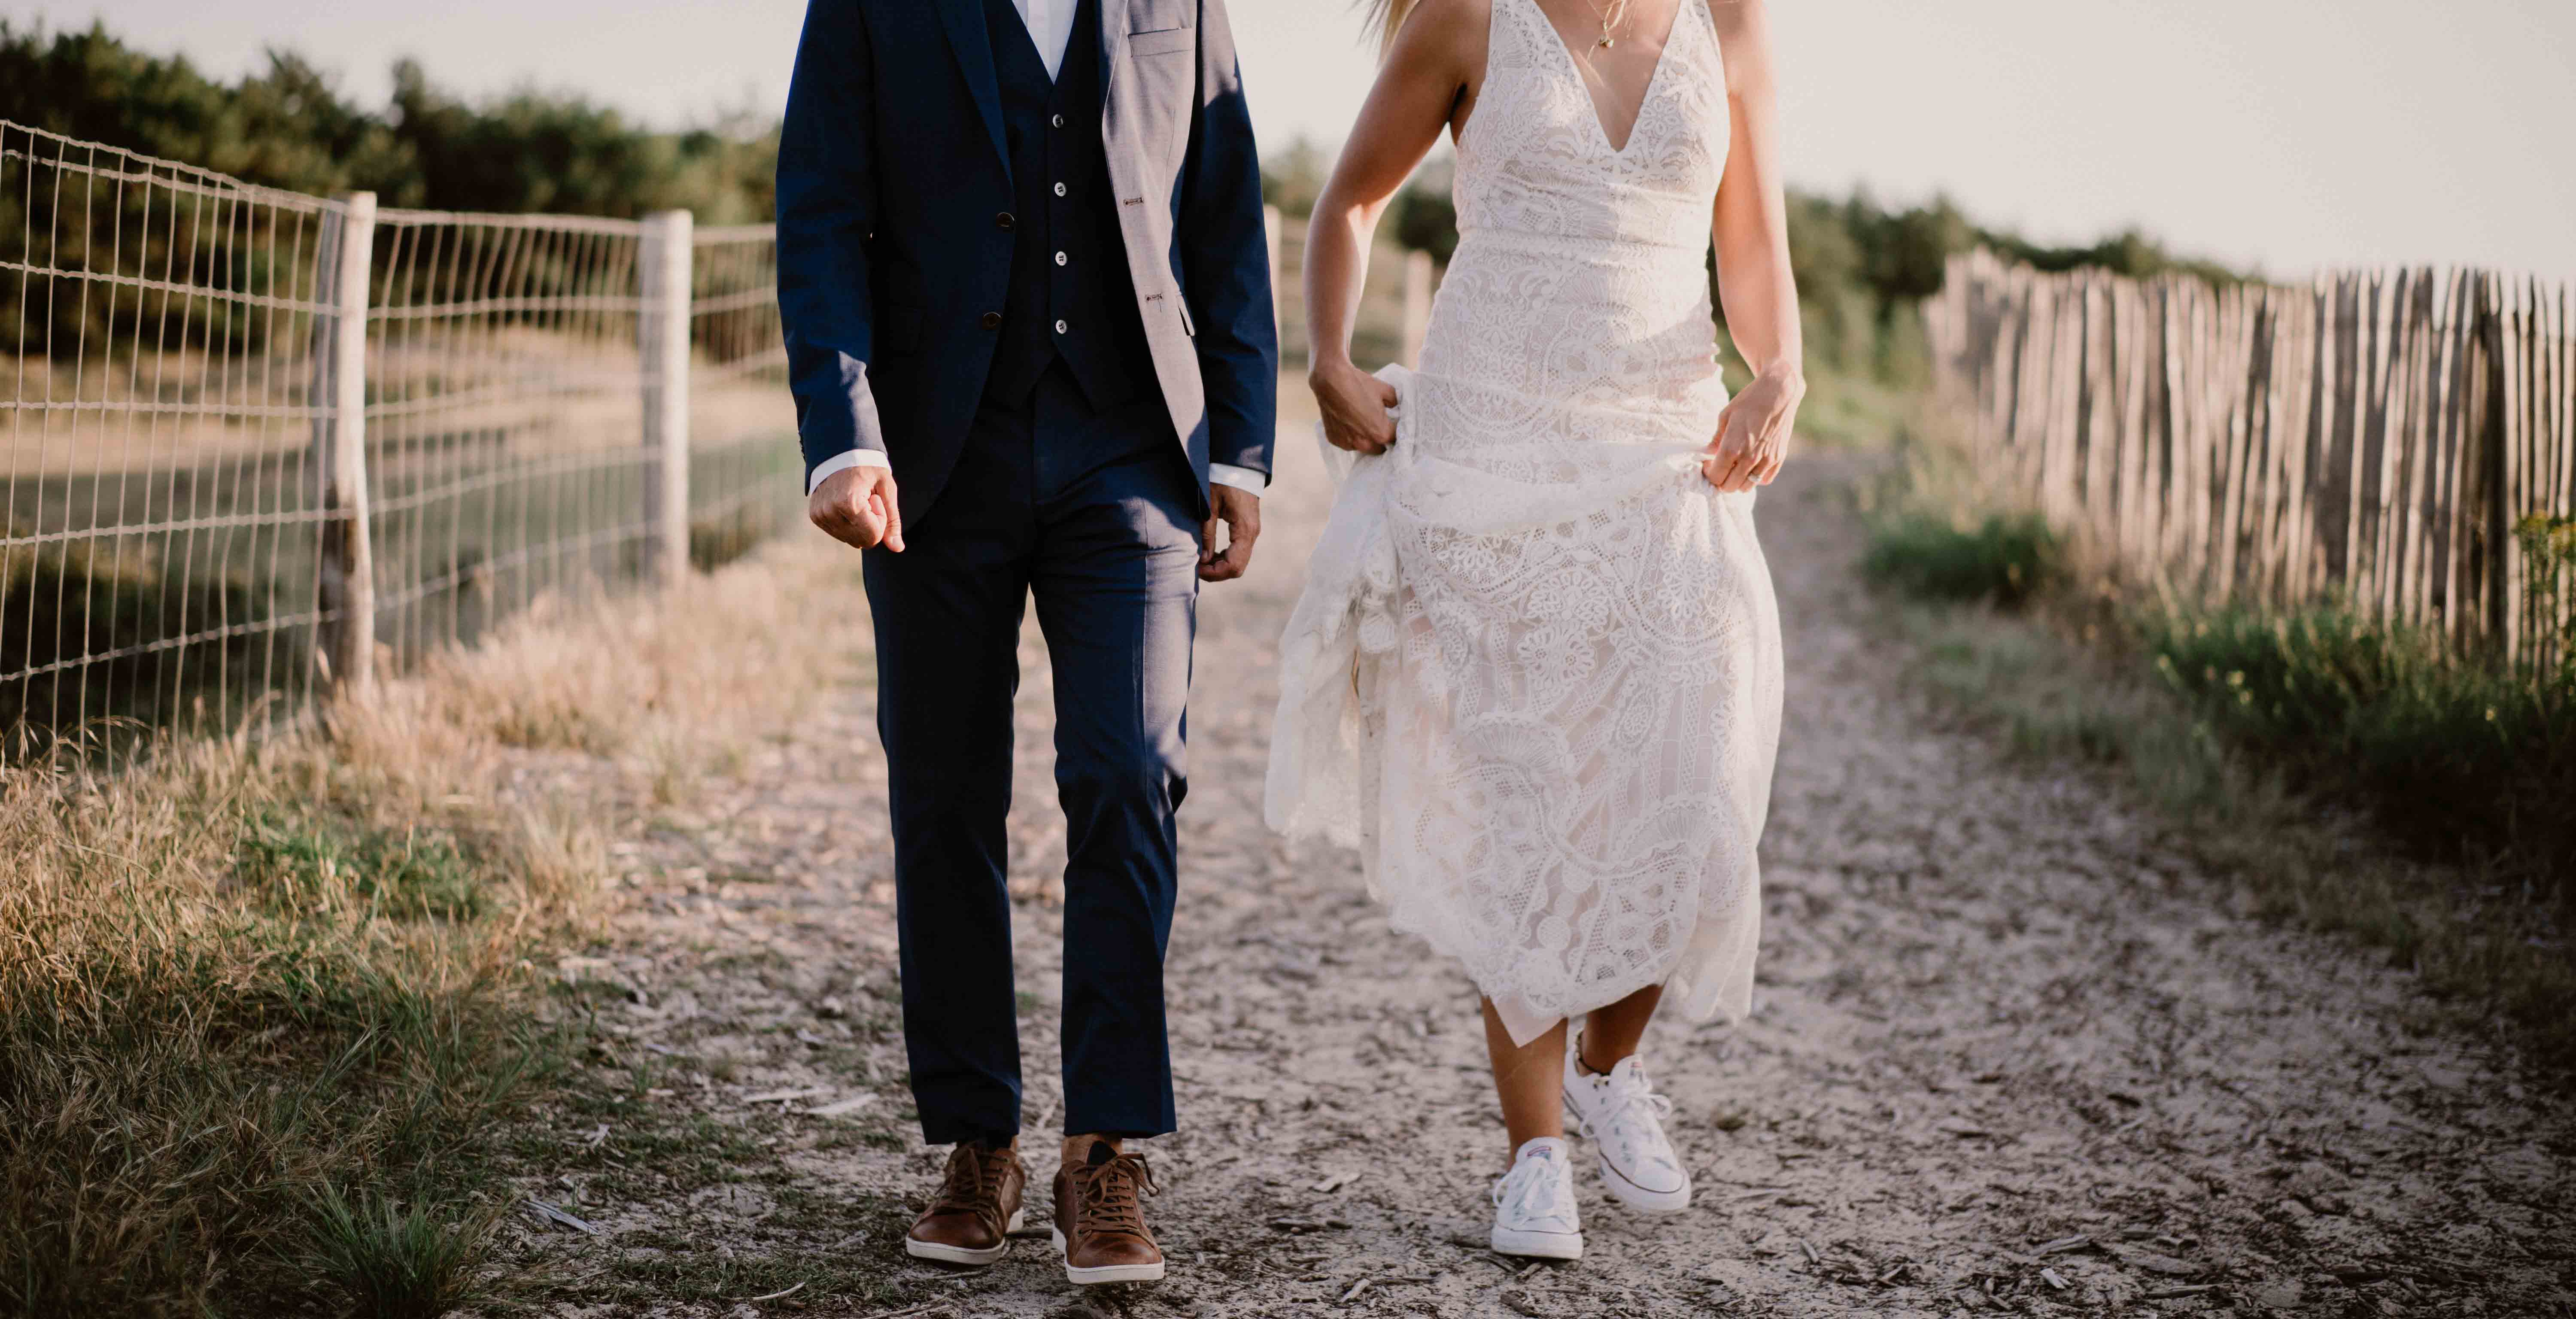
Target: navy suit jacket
x,y
892,173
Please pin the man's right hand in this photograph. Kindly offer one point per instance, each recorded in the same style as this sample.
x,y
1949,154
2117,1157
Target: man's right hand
x,y
856,506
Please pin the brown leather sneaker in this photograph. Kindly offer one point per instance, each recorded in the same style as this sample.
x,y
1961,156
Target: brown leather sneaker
x,y
977,1210
1100,1221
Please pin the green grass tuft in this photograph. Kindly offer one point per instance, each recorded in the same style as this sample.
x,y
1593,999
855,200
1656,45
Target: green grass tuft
x,y
2455,757
2006,558
413,875
391,1260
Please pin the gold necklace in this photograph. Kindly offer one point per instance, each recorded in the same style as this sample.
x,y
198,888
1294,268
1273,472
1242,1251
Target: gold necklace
x,y
1609,23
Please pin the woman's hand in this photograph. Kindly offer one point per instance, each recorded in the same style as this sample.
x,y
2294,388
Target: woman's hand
x,y
1753,432
1354,404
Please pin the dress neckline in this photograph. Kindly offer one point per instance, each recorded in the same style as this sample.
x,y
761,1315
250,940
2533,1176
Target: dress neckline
x,y
1654,77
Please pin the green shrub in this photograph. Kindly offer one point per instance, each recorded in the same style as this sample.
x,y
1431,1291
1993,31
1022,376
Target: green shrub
x,y
2007,558
2455,756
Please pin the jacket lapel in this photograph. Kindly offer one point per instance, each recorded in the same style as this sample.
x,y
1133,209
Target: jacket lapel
x,y
965,22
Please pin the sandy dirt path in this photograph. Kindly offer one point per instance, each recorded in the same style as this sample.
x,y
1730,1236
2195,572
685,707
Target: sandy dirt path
x,y
2010,1053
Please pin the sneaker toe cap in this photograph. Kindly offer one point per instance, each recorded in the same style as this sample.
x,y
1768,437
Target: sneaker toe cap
x,y
1660,1176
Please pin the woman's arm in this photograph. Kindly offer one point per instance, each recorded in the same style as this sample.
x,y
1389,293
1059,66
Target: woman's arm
x,y
1427,83
1750,228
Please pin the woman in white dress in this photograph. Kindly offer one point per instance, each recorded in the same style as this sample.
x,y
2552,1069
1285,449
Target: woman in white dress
x,y
1535,674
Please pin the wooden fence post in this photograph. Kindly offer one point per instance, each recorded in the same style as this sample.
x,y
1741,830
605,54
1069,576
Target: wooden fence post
x,y
1417,305
347,577
662,329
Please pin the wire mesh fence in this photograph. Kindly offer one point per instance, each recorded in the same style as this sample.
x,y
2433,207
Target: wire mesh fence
x,y
744,473
258,443
159,549
504,406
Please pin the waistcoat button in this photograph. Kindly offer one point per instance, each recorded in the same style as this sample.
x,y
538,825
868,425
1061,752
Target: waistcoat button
x,y
1003,220
992,320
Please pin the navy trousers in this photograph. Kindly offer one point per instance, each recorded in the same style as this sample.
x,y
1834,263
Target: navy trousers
x,y
1089,513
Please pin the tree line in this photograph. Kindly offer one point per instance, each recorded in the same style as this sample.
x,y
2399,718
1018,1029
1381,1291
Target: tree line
x,y
1862,267
288,125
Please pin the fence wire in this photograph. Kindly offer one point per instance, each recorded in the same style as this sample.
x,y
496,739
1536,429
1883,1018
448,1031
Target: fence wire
x,y
167,540
744,468
504,406
158,536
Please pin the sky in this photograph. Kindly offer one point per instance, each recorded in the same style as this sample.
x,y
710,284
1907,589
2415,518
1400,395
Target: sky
x,y
2289,134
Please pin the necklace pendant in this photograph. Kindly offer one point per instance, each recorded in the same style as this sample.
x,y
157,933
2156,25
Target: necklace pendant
x,y
1605,43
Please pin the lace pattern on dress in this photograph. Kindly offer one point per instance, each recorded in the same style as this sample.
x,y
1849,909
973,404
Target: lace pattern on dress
x,y
1534,677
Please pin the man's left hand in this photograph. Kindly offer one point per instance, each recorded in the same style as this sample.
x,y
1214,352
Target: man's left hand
x,y
1240,510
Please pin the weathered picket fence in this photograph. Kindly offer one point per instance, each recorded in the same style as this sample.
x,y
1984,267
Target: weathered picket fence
x,y
2393,438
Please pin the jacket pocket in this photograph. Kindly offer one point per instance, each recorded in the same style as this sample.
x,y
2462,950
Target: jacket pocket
x,y
1164,42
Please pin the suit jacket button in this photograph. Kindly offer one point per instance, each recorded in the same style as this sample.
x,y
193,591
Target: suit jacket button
x,y
992,320
1003,220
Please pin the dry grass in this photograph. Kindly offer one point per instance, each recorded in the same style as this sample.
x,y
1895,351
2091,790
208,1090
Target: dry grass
x,y
254,983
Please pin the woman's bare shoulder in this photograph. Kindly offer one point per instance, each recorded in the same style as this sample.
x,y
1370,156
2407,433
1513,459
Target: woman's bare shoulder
x,y
1736,16
1455,26
1744,34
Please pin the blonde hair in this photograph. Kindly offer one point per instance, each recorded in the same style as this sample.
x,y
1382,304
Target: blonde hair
x,y
1387,16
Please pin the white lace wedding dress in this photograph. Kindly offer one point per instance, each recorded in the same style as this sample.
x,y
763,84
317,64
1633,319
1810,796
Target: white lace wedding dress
x,y
1535,673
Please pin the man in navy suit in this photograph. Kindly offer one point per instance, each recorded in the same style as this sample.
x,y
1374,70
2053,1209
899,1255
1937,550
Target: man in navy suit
x,y
1026,295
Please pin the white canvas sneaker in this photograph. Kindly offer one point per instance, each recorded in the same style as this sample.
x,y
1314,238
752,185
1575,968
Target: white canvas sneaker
x,y
1534,1204
1623,1118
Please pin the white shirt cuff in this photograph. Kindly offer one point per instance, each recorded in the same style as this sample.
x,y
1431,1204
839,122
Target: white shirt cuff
x,y
1241,478
842,462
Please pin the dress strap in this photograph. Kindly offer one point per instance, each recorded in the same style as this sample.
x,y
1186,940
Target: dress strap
x,y
1514,17
1707,26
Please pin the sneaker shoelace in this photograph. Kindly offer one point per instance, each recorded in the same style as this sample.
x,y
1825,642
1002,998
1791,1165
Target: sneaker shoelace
x,y
1536,1197
1632,1097
973,1185
1108,1195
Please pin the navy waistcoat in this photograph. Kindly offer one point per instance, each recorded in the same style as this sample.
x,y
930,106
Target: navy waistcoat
x,y
1070,293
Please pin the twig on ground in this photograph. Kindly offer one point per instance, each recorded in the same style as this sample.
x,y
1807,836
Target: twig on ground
x,y
552,1214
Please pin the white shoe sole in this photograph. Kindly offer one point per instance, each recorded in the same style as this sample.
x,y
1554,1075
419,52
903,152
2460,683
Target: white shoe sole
x,y
1639,1198
920,1249
1538,1245
1107,1272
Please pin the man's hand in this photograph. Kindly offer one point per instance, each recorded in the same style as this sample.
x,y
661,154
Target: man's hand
x,y
856,506
1240,510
